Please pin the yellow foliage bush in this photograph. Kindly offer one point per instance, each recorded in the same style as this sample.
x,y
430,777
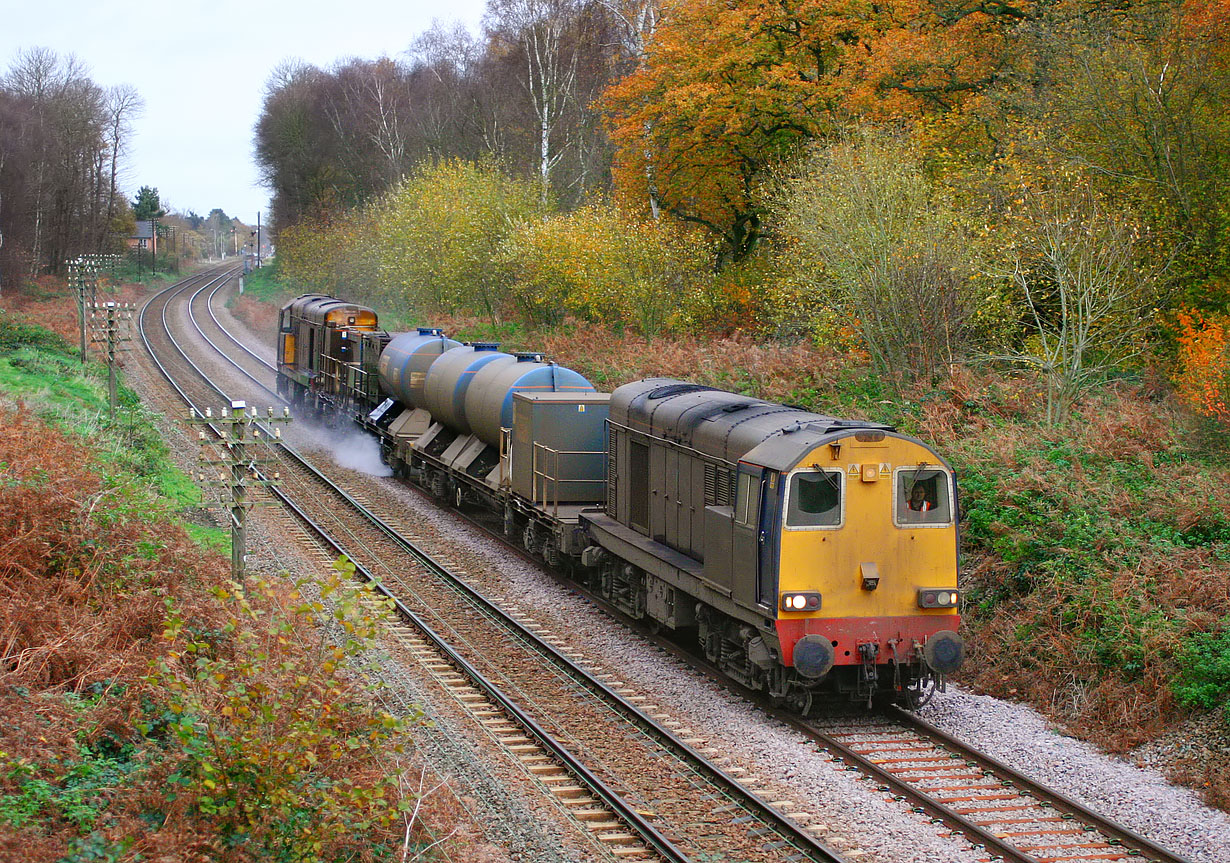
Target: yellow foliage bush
x,y
440,234
604,264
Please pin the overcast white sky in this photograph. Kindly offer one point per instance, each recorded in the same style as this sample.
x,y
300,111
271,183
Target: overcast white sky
x,y
201,68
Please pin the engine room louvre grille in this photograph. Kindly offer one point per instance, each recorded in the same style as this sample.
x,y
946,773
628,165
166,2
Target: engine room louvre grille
x,y
670,390
725,487
612,475
719,485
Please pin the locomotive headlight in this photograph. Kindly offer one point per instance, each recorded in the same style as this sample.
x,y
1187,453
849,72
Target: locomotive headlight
x,y
937,597
800,602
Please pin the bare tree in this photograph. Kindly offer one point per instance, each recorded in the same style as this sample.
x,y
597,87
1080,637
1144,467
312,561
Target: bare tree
x,y
542,28
124,104
64,131
368,107
452,108
898,263
638,20
1088,295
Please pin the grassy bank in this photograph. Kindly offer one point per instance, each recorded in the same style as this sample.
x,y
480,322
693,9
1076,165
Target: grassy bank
x,y
1096,553
152,709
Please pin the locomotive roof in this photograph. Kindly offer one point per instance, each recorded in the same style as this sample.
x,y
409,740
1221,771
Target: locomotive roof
x,y
726,425
315,307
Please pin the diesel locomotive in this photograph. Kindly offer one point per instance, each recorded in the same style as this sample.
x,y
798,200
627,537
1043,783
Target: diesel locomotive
x,y
810,557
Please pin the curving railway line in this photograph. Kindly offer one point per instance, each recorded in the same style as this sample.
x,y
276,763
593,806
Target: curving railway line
x,y
634,786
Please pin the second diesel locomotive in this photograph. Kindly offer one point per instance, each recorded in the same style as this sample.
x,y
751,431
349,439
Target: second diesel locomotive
x,y
810,556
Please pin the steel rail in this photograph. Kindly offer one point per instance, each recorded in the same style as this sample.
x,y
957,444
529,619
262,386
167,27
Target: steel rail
x,y
789,830
210,308
643,828
922,801
1115,831
141,328
1118,834
646,831
196,325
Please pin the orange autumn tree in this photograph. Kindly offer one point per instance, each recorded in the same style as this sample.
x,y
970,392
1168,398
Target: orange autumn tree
x,y
726,90
1204,362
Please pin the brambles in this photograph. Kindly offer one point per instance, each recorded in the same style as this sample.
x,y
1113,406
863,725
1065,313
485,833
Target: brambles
x,y
270,737
1088,297
1204,681
440,234
605,265
896,263
145,714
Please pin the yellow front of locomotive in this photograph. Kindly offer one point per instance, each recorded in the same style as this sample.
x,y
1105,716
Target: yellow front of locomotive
x,y
867,582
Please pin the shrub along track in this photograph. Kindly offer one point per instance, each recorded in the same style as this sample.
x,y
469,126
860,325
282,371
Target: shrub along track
x,y
628,783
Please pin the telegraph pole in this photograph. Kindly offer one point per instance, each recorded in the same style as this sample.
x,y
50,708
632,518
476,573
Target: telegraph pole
x,y
237,471
83,280
107,320
77,284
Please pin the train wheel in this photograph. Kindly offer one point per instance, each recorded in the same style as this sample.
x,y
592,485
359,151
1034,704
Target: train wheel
x,y
551,553
439,486
530,539
458,495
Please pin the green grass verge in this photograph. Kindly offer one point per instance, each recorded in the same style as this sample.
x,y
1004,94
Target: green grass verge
x,y
43,372
268,286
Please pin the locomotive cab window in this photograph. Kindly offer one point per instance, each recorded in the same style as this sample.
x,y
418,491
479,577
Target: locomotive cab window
x,y
747,500
814,499
922,497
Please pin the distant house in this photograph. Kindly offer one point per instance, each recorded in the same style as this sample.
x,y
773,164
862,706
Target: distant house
x,y
143,237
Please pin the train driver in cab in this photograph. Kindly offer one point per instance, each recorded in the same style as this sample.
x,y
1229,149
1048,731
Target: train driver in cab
x,y
918,499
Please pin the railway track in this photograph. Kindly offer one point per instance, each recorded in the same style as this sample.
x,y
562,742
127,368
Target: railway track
x,y
997,807
974,795
167,309
993,806
205,321
638,788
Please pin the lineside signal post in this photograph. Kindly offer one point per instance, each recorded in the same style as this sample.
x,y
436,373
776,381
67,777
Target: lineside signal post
x,y
236,469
